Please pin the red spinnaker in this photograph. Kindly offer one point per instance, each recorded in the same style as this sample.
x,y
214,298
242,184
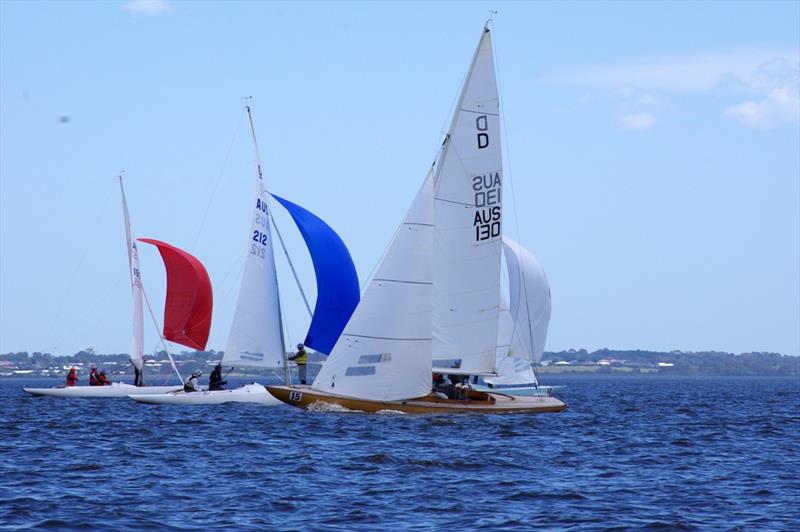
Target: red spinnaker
x,y
187,310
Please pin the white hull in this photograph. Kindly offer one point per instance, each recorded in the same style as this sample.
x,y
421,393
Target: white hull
x,y
522,390
248,393
117,389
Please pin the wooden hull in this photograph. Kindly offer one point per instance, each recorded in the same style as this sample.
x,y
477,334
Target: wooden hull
x,y
479,402
248,393
117,389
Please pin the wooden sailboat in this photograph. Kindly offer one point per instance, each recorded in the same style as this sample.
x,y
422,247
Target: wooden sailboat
x,y
436,293
256,338
120,389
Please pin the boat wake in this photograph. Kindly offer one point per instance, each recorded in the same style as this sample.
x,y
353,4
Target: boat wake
x,y
319,406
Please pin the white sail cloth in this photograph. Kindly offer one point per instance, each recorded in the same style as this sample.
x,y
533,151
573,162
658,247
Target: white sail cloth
x,y
384,352
522,332
467,224
255,337
137,347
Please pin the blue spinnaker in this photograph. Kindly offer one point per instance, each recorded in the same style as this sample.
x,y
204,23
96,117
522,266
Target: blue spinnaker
x,y
337,281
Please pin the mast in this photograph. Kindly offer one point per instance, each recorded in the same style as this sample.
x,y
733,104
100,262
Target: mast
x,y
262,190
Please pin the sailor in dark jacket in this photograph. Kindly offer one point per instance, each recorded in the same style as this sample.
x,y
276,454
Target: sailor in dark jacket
x,y
215,381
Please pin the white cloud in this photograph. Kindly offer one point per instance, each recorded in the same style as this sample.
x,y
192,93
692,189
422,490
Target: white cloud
x,y
781,106
771,74
147,7
639,121
757,69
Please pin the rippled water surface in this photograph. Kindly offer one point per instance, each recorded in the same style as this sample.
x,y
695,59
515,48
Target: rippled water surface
x,y
630,452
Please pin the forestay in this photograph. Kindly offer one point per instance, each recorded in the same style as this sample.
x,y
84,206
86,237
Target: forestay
x,y
137,349
256,332
384,352
189,301
467,220
337,281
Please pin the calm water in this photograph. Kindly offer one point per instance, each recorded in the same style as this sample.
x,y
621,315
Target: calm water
x,y
631,452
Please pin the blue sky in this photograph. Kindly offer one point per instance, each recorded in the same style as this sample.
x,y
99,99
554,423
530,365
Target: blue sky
x,y
652,154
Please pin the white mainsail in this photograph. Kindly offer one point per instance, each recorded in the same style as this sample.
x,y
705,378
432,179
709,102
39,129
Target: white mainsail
x,y
137,349
522,333
467,224
256,336
384,352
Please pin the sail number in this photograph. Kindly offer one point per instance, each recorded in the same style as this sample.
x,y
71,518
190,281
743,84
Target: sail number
x,y
488,211
482,125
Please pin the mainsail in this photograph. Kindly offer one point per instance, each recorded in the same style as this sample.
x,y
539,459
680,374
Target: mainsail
x,y
256,336
467,224
187,309
137,348
337,281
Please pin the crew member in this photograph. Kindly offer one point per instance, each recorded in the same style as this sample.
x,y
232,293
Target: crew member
x,y
137,376
301,359
192,384
93,376
215,381
72,377
102,380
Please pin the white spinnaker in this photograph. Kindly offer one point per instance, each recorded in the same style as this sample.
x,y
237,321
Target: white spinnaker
x,y
255,338
467,224
384,353
137,348
513,365
523,328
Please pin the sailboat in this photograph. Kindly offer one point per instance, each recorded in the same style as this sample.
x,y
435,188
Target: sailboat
x,y
120,389
522,326
436,293
256,338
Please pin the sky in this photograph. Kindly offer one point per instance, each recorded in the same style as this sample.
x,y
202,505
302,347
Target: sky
x,y
651,155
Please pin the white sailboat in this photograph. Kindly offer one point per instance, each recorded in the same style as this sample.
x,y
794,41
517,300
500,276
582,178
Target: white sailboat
x,y
436,293
522,326
256,338
120,389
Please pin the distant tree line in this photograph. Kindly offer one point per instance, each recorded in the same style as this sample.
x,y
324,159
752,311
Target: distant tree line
x,y
689,363
685,363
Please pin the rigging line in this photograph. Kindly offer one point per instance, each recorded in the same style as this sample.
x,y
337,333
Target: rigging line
x,y
93,309
158,330
291,265
70,284
219,180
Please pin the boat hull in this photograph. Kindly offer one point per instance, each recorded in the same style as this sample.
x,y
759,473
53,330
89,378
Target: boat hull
x,y
479,402
117,389
249,393
523,390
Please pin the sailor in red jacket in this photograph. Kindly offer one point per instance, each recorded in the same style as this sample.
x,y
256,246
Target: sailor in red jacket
x,y
93,377
72,377
102,380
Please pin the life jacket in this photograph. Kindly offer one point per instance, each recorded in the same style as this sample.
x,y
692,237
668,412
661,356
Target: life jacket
x,y
102,380
72,378
301,357
93,378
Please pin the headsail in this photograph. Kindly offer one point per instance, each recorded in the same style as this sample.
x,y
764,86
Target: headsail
x,y
187,309
137,348
337,281
384,352
467,224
